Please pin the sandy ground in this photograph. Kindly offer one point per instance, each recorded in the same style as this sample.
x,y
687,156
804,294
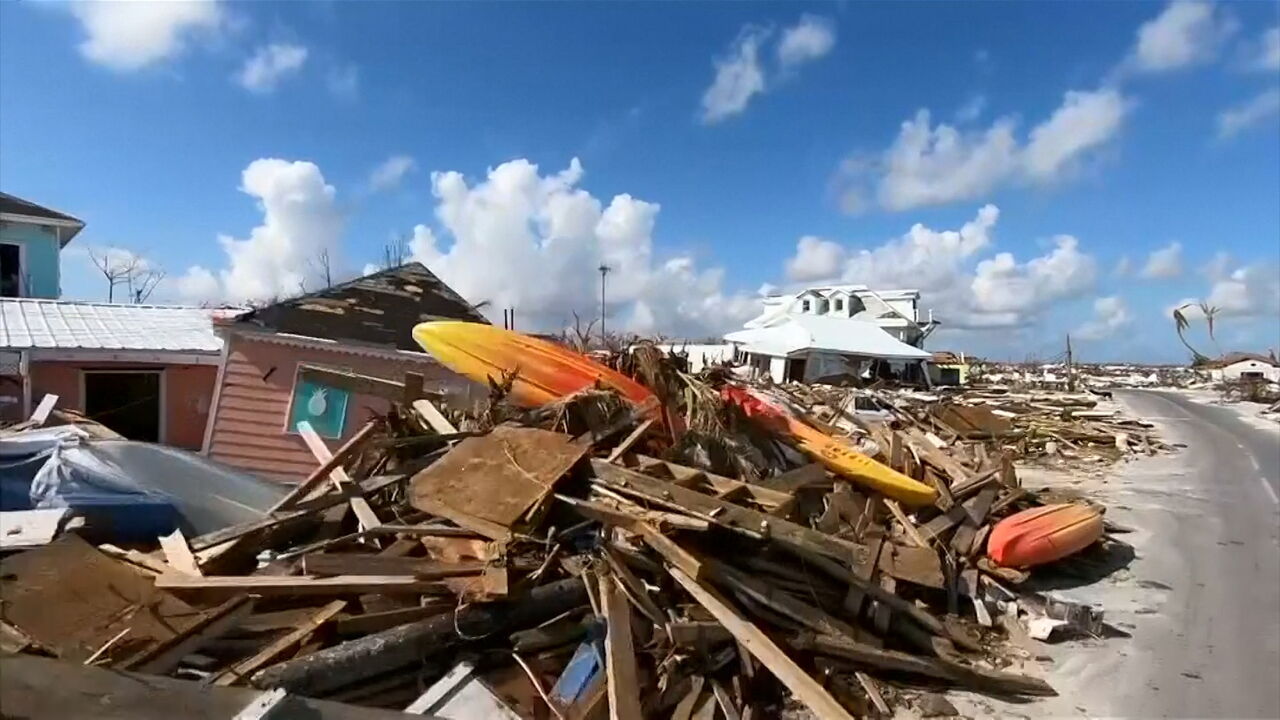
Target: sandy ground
x,y
1202,596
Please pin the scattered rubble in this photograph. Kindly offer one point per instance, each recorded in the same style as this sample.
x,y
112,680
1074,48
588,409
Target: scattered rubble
x,y
594,557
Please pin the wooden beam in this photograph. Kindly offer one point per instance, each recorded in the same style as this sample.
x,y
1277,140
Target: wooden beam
x,y
299,585
803,687
620,654
629,440
41,413
178,554
164,657
272,652
361,564
907,525
318,476
433,417
364,513
355,382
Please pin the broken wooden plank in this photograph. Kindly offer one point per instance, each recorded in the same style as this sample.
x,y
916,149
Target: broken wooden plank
x,y
178,554
326,564
803,687
299,585
165,657
892,660
358,625
317,478
355,382
20,529
41,413
620,655
623,447
364,514
278,647
906,523
433,417
496,484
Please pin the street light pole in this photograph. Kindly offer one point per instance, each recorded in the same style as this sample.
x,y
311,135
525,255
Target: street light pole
x,y
604,270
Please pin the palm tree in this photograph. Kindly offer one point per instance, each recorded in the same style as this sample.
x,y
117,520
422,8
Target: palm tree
x,y
1181,323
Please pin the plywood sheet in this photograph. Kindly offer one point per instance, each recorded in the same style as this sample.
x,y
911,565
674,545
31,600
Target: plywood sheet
x,y
495,483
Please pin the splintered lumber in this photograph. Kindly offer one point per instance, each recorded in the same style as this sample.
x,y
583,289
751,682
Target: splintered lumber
x,y
630,440
300,585
496,484
302,509
357,564
433,417
365,514
166,656
72,599
317,478
620,654
281,645
376,621
178,554
974,677
44,688
906,523
805,689
406,645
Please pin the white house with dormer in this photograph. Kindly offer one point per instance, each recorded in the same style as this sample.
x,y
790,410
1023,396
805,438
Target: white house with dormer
x,y
837,330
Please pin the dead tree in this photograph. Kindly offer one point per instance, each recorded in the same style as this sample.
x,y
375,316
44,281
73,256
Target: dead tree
x,y
395,252
117,267
143,282
324,265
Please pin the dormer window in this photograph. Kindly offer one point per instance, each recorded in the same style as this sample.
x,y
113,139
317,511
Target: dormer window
x,y
806,305
839,304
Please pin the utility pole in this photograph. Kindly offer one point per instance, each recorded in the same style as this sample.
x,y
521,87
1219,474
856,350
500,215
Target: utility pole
x,y
1071,377
604,270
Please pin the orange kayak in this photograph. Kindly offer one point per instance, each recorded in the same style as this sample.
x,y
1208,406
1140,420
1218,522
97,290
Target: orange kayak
x,y
544,370
833,453
1043,534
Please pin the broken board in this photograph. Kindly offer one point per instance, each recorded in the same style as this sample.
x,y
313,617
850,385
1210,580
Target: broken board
x,y
496,484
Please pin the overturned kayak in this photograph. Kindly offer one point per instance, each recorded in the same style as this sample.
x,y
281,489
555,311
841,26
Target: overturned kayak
x,y
544,371
834,453
1043,534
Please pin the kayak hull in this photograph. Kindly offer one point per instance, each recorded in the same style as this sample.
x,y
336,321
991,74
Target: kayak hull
x,y
833,453
1043,534
544,371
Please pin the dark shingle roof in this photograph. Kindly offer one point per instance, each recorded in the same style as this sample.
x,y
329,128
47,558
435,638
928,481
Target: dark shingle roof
x,y
379,309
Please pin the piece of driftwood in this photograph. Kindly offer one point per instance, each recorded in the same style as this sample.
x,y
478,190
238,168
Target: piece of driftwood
x,y
355,660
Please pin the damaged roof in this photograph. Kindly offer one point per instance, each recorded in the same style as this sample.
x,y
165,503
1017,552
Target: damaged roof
x,y
379,309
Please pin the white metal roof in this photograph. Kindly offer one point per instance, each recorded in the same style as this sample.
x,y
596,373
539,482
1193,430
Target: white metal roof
x,y
27,323
819,332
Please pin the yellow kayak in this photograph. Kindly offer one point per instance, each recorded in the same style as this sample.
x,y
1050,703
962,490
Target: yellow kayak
x,y
544,371
834,453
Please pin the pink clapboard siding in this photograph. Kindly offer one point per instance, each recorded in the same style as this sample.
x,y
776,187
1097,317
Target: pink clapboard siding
x,y
187,392
248,425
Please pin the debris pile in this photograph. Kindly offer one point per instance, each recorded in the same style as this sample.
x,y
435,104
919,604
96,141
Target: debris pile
x,y
712,547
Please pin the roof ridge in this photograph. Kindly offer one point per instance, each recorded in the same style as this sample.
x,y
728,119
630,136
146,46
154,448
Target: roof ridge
x,y
101,303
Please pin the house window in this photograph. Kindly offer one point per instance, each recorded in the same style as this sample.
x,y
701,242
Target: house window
x,y
839,304
806,305
10,270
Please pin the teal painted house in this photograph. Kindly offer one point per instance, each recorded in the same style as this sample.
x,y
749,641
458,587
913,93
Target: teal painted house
x,y
31,238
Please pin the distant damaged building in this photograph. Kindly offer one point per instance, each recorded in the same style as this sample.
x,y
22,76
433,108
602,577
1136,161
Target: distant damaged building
x,y
838,331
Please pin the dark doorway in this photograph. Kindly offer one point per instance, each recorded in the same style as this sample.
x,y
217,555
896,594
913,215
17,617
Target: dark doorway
x,y
10,270
795,369
126,402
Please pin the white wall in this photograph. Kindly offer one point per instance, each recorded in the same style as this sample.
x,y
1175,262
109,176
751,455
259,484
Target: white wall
x,y
1236,370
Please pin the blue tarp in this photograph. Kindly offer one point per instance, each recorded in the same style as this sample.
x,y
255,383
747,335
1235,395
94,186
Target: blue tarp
x,y
127,490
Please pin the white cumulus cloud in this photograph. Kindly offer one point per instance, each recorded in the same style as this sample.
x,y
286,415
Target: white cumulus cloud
x,y
518,238
1164,263
126,36
1248,291
390,173
933,165
1110,315
264,70
955,276
1255,111
809,39
739,77
281,257
815,259
1185,33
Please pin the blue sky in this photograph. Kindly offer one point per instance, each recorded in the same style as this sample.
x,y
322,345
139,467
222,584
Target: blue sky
x,y
1079,168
